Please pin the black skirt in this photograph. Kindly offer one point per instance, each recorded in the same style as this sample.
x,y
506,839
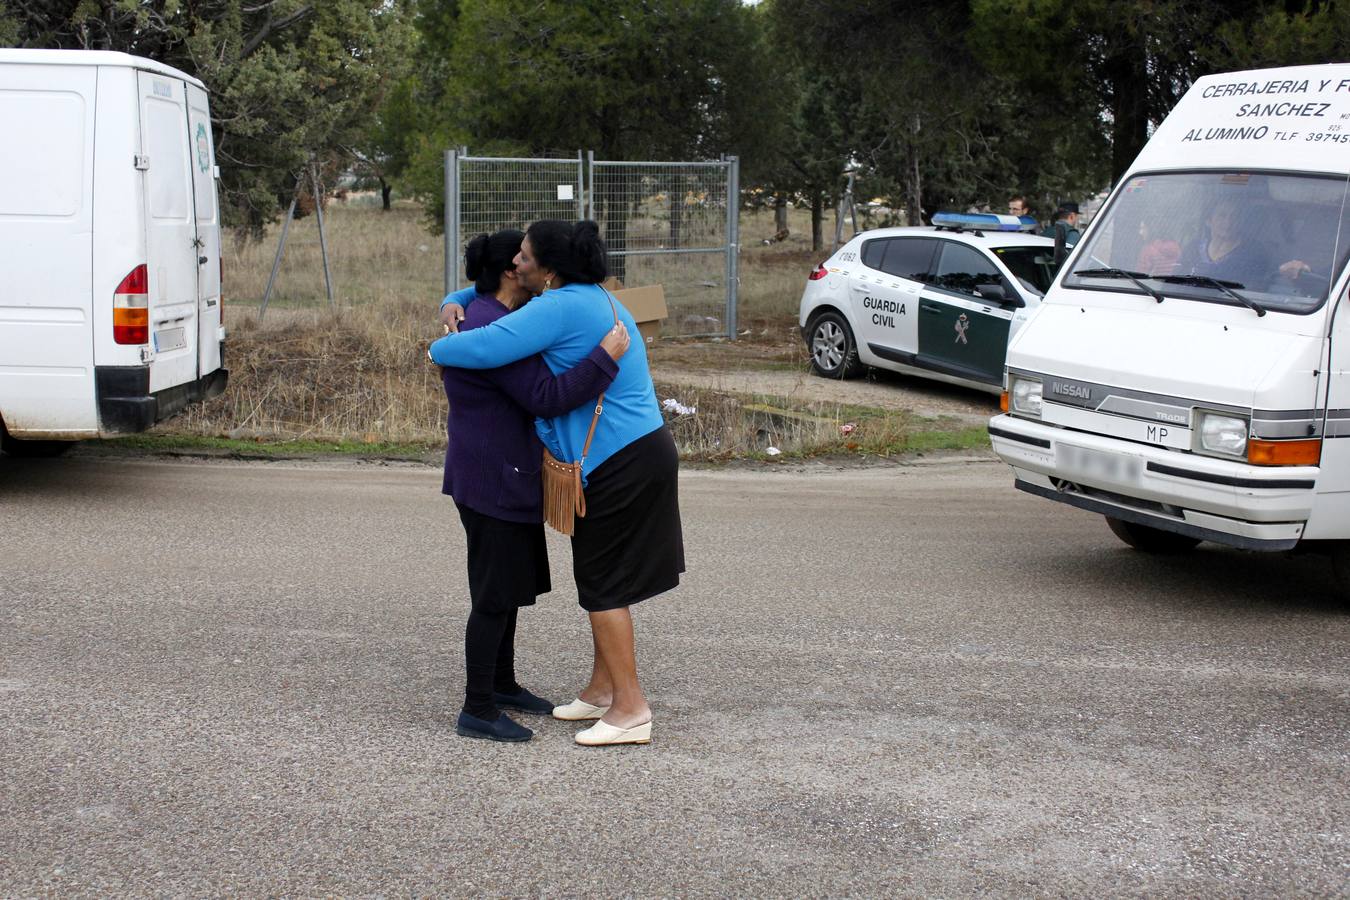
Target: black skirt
x,y
508,561
630,546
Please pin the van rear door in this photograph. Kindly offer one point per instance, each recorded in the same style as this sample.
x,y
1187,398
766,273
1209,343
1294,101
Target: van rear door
x,y
46,214
208,231
171,230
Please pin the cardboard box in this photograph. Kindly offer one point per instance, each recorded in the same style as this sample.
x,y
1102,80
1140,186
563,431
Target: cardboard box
x,y
647,304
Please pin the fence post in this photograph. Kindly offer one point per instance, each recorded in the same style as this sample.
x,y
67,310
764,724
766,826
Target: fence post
x,y
323,237
451,220
589,212
581,185
733,239
281,248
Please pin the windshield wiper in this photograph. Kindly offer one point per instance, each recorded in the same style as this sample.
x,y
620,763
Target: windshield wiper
x,y
1224,286
1121,273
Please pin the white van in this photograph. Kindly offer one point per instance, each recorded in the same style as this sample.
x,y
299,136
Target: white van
x,y
110,316
1188,374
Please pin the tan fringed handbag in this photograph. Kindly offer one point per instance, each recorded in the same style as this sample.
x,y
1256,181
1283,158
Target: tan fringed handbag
x,y
564,501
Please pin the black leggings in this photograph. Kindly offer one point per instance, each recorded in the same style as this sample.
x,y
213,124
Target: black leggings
x,y
508,568
489,661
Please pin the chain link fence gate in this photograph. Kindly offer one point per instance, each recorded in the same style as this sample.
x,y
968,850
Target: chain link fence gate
x,y
489,193
673,224
670,223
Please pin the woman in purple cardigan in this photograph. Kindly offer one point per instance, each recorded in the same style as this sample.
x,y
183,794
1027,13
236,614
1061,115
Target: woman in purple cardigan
x,y
492,464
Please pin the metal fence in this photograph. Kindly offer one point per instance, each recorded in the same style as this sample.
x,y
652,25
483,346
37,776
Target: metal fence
x,y
486,194
668,223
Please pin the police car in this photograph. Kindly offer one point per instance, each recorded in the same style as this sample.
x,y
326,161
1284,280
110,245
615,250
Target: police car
x,y
940,302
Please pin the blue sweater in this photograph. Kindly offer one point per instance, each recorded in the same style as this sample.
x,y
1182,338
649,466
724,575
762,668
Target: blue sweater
x,y
492,455
564,324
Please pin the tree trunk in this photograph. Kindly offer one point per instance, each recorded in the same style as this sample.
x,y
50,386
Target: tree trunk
x,y
780,220
614,210
1127,73
817,219
914,189
385,190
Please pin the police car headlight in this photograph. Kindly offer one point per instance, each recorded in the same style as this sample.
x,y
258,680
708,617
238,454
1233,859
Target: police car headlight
x,y
1024,397
1223,434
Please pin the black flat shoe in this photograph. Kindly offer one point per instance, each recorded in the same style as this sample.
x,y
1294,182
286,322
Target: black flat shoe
x,y
523,701
504,729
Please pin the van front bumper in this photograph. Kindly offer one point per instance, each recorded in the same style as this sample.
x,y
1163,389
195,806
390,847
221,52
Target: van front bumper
x,y
126,406
1252,507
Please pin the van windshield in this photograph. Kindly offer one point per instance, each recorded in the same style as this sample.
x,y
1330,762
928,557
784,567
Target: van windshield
x,y
1272,242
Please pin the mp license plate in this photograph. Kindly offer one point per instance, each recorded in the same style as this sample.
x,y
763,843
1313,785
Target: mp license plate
x,y
1096,465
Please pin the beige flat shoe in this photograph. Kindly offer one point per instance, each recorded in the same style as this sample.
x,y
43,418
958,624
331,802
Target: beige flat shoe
x,y
578,710
603,734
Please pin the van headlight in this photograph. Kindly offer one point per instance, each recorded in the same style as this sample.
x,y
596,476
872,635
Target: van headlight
x,y
1223,434
1024,396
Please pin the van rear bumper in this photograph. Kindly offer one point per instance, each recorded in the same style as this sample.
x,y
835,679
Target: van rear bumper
x,y
126,406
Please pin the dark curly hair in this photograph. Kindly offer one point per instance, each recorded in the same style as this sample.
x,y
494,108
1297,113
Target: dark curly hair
x,y
575,252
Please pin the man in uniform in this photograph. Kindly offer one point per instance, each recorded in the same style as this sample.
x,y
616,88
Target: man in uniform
x,y
1066,217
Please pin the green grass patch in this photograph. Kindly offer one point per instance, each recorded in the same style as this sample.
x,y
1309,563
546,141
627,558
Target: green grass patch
x,y
168,443
976,438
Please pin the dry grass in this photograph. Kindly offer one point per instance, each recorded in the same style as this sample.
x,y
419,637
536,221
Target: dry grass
x,y
360,373
375,257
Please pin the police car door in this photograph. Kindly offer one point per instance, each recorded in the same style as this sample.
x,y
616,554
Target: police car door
x,y
885,291
963,330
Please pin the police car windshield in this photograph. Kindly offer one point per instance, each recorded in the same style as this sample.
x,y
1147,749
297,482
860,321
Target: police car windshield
x,y
1033,266
1280,240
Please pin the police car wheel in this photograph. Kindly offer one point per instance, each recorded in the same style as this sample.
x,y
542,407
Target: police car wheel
x,y
1150,540
834,353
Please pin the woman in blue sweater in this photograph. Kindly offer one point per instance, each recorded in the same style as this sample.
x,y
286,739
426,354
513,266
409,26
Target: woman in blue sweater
x,y
492,464
629,545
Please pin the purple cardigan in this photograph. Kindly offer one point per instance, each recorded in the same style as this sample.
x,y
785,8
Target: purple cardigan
x,y
493,455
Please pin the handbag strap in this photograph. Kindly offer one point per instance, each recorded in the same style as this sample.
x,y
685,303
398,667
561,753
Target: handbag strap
x,y
599,401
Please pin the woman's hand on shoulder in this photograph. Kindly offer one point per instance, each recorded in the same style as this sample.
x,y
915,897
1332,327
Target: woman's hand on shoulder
x,y
616,342
451,315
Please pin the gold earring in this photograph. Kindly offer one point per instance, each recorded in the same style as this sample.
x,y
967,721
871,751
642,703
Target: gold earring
x,y
548,282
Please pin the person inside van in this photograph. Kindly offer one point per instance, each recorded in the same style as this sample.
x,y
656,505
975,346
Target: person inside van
x,y
1316,233
1227,250
1159,252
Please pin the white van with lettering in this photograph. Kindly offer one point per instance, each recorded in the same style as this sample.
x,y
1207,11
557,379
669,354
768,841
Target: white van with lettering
x,y
110,317
1188,373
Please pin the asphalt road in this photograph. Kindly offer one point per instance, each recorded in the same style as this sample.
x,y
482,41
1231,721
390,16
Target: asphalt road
x,y
242,678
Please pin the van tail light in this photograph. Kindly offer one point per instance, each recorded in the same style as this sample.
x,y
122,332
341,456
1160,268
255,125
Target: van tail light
x,y
131,308
1284,453
819,273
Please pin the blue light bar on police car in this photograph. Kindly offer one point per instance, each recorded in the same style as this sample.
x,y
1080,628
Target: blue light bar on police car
x,y
984,221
